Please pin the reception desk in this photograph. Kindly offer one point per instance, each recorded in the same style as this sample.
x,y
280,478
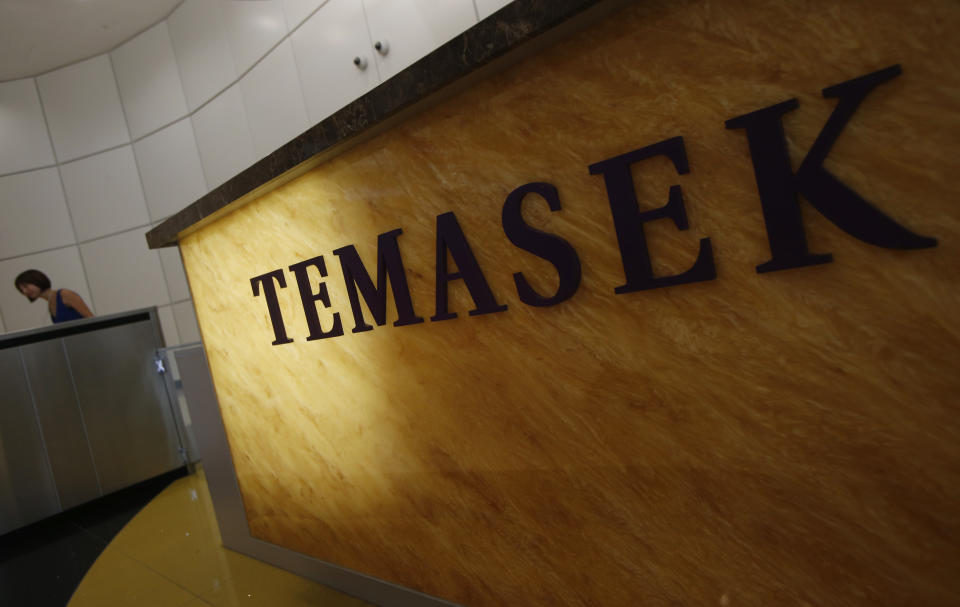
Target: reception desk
x,y
85,413
643,303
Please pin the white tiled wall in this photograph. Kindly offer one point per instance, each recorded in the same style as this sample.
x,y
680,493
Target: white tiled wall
x,y
298,10
171,336
253,28
123,273
176,278
149,83
26,143
170,169
273,100
186,322
199,33
223,137
104,193
95,153
83,108
35,215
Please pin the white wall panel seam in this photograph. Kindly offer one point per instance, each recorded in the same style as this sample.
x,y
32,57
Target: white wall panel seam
x,y
123,108
73,227
63,189
196,144
40,168
36,92
153,253
246,123
260,60
117,233
366,22
92,154
179,118
296,63
158,129
246,110
126,119
40,252
183,62
176,68
46,123
237,81
307,18
166,281
93,297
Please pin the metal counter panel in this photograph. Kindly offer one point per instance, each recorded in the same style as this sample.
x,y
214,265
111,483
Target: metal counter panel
x,y
122,399
212,442
61,422
28,491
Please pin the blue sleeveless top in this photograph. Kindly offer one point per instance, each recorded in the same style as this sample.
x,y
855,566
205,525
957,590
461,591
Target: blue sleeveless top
x,y
64,312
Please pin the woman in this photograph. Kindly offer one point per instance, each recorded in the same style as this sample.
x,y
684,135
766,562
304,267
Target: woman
x,y
64,304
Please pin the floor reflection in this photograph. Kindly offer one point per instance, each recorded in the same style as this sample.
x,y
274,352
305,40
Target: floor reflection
x,y
155,544
169,554
42,564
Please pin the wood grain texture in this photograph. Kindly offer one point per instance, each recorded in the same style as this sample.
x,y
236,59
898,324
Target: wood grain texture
x,y
789,438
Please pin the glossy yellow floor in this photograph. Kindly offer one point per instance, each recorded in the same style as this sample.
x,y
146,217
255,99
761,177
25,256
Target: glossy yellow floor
x,y
170,555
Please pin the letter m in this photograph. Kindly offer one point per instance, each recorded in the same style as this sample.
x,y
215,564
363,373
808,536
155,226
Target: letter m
x,y
389,263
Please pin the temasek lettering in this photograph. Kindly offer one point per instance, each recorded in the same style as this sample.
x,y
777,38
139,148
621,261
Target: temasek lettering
x,y
778,186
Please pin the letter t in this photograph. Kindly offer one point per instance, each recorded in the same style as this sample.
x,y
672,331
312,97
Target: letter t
x,y
273,304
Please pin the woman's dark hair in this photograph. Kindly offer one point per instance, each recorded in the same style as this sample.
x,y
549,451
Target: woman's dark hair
x,y
32,277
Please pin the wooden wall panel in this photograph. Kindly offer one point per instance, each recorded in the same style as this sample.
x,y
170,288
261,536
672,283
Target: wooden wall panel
x,y
788,438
